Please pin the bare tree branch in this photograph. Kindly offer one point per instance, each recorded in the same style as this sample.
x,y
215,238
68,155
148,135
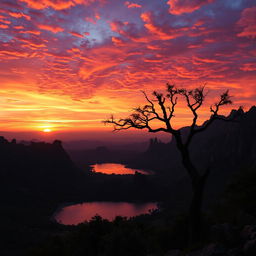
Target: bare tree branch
x,y
143,116
225,99
172,92
151,108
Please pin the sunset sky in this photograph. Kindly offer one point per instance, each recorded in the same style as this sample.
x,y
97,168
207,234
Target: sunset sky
x,y
68,64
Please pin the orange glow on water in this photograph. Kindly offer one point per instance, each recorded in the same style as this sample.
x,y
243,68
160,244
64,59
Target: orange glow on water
x,y
78,213
112,168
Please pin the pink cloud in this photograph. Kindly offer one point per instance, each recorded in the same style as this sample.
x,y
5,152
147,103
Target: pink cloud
x,y
30,41
248,67
53,29
129,31
4,26
153,47
5,21
18,27
162,32
178,7
13,54
34,32
248,23
132,5
117,41
73,33
55,4
97,16
19,15
94,19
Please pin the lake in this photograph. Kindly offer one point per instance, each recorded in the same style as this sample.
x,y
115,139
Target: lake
x,y
78,213
113,168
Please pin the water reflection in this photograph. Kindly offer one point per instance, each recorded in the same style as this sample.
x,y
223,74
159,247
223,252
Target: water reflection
x,y
112,168
75,214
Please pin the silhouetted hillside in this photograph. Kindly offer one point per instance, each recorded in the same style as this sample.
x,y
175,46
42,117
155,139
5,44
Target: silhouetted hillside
x,y
41,168
225,147
34,179
80,145
86,152
101,154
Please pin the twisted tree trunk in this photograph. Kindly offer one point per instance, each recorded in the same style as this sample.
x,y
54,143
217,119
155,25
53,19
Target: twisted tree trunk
x,y
198,183
195,212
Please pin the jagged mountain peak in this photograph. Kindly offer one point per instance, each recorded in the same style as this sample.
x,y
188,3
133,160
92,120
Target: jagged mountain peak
x,y
236,113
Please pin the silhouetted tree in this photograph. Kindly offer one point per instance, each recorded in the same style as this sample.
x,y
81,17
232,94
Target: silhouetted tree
x,y
157,110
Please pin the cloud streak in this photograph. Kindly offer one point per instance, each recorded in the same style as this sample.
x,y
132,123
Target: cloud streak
x,y
178,7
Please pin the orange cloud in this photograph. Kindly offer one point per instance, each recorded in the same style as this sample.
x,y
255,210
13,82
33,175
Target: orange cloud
x,y
132,5
162,33
5,21
51,28
90,70
30,41
128,30
94,19
55,4
19,15
248,23
117,41
73,33
34,32
153,47
249,67
13,53
178,7
18,27
4,26
35,45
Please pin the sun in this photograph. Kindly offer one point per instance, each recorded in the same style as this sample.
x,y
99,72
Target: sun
x,y
47,130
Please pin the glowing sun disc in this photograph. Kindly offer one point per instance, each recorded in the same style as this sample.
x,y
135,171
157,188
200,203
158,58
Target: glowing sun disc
x,y
47,130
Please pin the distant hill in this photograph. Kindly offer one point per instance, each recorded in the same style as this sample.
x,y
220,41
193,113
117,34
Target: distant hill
x,y
79,145
35,169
